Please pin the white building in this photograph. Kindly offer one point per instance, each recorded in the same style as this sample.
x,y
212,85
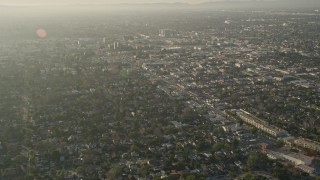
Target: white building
x,y
306,143
260,124
300,161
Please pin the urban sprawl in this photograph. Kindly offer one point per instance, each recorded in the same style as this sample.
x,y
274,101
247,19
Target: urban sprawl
x,y
202,95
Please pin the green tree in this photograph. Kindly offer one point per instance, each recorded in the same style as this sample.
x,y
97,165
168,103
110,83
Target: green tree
x,y
257,161
143,171
218,131
248,176
254,130
116,171
217,146
180,166
191,177
55,156
134,148
19,159
240,121
30,176
232,175
203,110
188,114
80,170
235,143
280,172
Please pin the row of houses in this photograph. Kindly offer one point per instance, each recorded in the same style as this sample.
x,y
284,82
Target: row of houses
x,y
307,164
302,142
278,132
260,124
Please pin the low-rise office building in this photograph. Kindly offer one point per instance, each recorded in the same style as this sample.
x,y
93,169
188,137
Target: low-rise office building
x,y
262,125
306,143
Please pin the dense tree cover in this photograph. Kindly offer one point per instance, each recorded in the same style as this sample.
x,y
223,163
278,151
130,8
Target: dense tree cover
x,y
258,161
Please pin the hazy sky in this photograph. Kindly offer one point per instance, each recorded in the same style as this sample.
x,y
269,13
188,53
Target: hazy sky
x,y
40,2
64,2
95,2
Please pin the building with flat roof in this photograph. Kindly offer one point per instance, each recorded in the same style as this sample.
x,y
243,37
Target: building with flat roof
x,y
300,161
307,143
262,125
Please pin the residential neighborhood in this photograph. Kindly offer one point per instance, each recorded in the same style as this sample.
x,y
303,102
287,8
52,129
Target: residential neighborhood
x,y
155,95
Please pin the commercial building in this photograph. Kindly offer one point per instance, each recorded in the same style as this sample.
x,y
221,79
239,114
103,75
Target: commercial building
x,y
300,161
262,125
306,143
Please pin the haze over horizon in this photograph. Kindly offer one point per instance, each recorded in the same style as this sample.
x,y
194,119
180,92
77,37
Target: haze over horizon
x,y
98,2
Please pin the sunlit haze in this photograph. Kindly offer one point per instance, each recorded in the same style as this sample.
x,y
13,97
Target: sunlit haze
x,y
221,3
159,89
68,2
